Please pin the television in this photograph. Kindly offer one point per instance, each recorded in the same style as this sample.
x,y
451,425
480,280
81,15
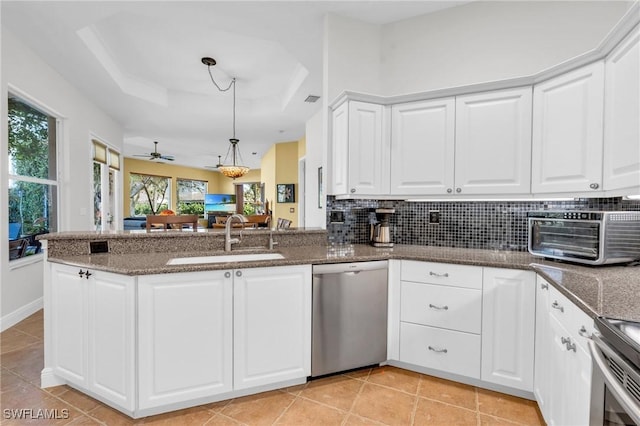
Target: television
x,y
219,203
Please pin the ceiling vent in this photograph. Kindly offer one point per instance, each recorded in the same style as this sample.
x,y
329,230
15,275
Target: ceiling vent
x,y
312,98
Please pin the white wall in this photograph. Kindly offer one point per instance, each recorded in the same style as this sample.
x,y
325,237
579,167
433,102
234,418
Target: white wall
x,y
21,281
487,40
314,217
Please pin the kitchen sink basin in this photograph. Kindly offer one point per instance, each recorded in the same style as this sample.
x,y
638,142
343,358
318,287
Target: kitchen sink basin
x,y
253,257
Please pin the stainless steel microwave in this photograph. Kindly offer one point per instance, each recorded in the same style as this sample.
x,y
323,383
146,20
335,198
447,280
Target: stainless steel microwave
x,y
589,237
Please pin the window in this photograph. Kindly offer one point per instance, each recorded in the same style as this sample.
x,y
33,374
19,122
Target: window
x,y
191,196
33,184
250,196
106,165
148,194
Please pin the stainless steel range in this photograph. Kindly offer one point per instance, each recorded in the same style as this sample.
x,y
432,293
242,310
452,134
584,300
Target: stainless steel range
x,y
615,393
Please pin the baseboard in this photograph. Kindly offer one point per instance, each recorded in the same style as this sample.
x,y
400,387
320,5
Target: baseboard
x,y
49,379
19,314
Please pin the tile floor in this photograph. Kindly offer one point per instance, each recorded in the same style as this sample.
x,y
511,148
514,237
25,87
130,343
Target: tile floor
x,y
378,396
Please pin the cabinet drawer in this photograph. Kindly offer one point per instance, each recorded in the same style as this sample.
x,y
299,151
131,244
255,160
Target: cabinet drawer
x,y
573,319
454,308
426,346
442,274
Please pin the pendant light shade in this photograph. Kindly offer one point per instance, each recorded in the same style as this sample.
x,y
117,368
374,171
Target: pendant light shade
x,y
235,169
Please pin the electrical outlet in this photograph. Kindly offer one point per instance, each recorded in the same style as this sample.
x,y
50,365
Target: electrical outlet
x,y
434,217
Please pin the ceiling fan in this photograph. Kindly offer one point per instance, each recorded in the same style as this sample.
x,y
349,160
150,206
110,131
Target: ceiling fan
x,y
155,155
217,165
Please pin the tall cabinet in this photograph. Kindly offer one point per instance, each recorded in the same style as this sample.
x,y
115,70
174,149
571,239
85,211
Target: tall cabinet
x,y
621,167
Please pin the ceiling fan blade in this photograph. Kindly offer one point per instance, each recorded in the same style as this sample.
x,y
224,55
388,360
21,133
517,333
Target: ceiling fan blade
x,y
167,157
140,155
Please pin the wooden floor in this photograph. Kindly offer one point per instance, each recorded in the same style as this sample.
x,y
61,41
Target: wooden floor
x,y
379,396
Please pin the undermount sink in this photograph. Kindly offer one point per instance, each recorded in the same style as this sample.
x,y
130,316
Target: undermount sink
x,y
224,258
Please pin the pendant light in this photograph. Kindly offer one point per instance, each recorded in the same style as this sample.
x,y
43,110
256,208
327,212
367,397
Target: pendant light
x,y
235,169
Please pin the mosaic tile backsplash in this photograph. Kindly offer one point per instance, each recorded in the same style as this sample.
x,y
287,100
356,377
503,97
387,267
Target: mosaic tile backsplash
x,y
493,225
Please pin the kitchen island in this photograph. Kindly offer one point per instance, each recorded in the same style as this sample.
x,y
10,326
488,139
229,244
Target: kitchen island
x,y
117,322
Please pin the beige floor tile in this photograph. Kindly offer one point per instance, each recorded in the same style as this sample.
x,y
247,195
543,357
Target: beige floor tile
x,y
447,391
57,390
8,380
304,412
385,405
14,339
222,420
35,407
27,362
83,421
362,373
260,409
79,400
190,416
111,417
436,413
508,407
336,391
354,420
217,407
486,420
404,380
33,326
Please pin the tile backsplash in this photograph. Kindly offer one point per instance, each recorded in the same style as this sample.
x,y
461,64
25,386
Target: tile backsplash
x,y
469,224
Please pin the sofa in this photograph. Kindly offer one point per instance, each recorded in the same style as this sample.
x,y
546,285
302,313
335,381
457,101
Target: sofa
x,y
134,223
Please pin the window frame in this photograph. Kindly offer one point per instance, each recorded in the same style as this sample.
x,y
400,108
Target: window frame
x,y
177,195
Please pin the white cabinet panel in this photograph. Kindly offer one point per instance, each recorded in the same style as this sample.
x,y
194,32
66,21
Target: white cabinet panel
x,y
368,150
568,132
508,318
442,274
423,147
184,336
622,115
339,150
441,306
542,367
444,350
112,338
493,142
272,325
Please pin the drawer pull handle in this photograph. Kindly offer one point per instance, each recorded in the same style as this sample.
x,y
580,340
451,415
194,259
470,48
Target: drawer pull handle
x,y
556,305
438,350
584,333
544,286
565,340
567,343
438,308
434,274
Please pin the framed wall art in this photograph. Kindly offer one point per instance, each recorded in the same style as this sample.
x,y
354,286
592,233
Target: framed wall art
x,y
286,192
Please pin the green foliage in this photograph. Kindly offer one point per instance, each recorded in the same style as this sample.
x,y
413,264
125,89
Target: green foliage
x,y
149,190
191,208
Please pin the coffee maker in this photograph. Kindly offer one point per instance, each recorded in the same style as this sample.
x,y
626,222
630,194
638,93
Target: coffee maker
x,y
380,233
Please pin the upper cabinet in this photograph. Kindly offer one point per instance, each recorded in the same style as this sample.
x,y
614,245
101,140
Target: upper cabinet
x,y
622,115
422,149
567,132
493,142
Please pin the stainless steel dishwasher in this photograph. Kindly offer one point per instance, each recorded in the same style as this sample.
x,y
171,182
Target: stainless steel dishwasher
x,y
349,316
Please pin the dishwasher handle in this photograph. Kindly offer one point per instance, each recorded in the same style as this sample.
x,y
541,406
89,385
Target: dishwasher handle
x,y
336,268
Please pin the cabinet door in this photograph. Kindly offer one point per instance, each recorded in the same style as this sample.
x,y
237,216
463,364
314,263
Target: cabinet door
x,y
112,337
69,330
508,327
339,150
622,115
567,132
184,336
272,325
422,147
493,142
368,150
542,369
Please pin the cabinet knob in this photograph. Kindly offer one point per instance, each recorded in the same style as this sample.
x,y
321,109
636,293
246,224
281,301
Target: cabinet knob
x,y
438,350
449,190
439,308
227,274
353,190
458,190
87,273
556,305
584,333
81,273
594,186
238,273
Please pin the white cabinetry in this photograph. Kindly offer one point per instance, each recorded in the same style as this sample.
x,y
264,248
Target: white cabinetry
x,y
568,132
493,142
508,327
422,149
563,363
440,317
621,167
93,330
185,335
272,325
359,150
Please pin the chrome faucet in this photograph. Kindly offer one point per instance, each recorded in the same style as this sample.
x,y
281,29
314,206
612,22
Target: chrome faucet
x,y
228,241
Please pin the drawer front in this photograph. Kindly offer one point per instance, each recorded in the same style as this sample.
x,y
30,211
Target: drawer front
x,y
573,319
454,308
426,346
442,274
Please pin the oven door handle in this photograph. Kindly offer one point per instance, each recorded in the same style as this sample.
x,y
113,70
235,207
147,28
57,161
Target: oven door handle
x,y
596,347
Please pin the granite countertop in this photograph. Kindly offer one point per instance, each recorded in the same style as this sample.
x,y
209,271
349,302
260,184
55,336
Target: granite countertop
x,y
604,290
